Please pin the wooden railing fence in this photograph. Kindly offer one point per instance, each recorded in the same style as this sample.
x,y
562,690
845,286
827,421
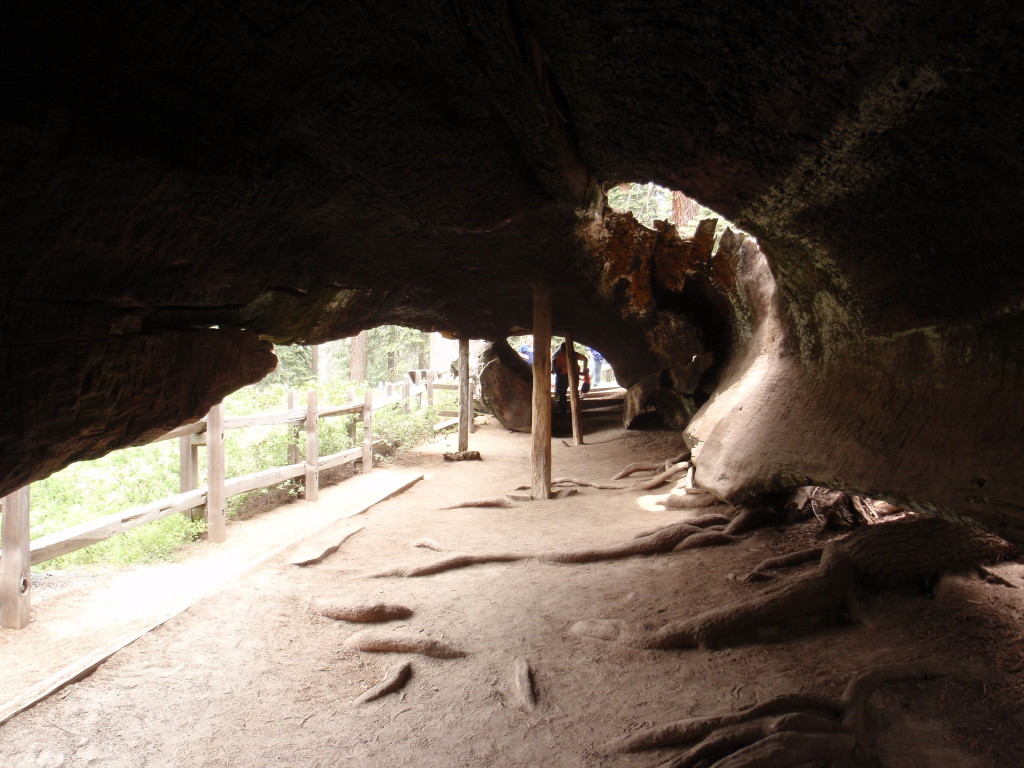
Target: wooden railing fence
x,y
18,553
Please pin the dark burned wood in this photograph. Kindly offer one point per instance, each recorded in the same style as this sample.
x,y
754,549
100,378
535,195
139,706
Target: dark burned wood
x,y
461,456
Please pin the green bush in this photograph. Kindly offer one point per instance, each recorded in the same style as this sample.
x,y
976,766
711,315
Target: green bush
x,y
127,478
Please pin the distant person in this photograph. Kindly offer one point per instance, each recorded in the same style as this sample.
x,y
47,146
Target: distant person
x,y
598,359
526,352
561,370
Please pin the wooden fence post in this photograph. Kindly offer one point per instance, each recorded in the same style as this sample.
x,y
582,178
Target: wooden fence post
x,y
215,525
312,491
188,469
353,425
572,366
405,396
465,398
472,405
540,431
431,378
16,583
368,430
293,430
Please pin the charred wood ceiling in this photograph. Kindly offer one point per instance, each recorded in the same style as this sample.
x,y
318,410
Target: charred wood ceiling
x,y
184,182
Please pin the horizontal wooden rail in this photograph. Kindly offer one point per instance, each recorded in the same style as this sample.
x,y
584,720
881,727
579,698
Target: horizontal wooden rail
x,y
347,456
85,534
264,479
186,429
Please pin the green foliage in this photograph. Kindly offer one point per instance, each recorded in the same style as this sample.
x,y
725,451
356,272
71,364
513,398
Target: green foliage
x,y
123,479
649,203
116,482
394,350
405,430
149,543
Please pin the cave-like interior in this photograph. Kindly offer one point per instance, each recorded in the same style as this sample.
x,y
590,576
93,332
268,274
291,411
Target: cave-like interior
x,y
184,184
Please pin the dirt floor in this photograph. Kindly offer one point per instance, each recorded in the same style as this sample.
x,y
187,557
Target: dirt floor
x,y
251,675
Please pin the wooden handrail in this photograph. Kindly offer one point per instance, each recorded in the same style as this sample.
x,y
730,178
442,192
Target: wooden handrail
x,y
85,534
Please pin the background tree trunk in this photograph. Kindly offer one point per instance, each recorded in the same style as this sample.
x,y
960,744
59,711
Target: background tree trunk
x,y
357,365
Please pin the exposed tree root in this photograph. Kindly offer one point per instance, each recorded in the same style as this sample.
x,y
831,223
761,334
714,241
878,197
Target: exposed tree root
x,y
496,502
638,466
660,540
786,730
652,466
376,641
901,553
362,612
585,484
670,473
428,544
572,481
394,680
314,554
690,499
782,561
522,684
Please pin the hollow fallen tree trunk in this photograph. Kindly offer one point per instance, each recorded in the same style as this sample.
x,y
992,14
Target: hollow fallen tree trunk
x,y
876,558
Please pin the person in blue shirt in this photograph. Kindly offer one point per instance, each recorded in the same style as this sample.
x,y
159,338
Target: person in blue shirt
x,y
526,352
598,359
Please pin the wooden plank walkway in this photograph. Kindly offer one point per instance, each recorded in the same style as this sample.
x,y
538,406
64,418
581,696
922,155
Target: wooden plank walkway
x,y
139,599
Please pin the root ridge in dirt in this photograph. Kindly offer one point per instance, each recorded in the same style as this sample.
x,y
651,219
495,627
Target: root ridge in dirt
x,y
786,730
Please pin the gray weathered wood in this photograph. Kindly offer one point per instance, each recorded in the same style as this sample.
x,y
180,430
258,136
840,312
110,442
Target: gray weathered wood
x,y
540,450
85,534
431,386
16,578
195,428
215,523
368,430
188,468
264,479
572,366
312,490
465,398
326,411
345,457
293,431
293,416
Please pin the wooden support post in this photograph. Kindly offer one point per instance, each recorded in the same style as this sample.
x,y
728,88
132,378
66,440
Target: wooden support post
x,y
465,398
16,582
540,452
389,390
431,378
293,430
188,469
312,491
215,525
368,430
405,396
572,366
472,406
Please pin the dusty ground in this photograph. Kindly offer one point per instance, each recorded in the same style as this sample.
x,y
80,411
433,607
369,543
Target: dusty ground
x,y
250,676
